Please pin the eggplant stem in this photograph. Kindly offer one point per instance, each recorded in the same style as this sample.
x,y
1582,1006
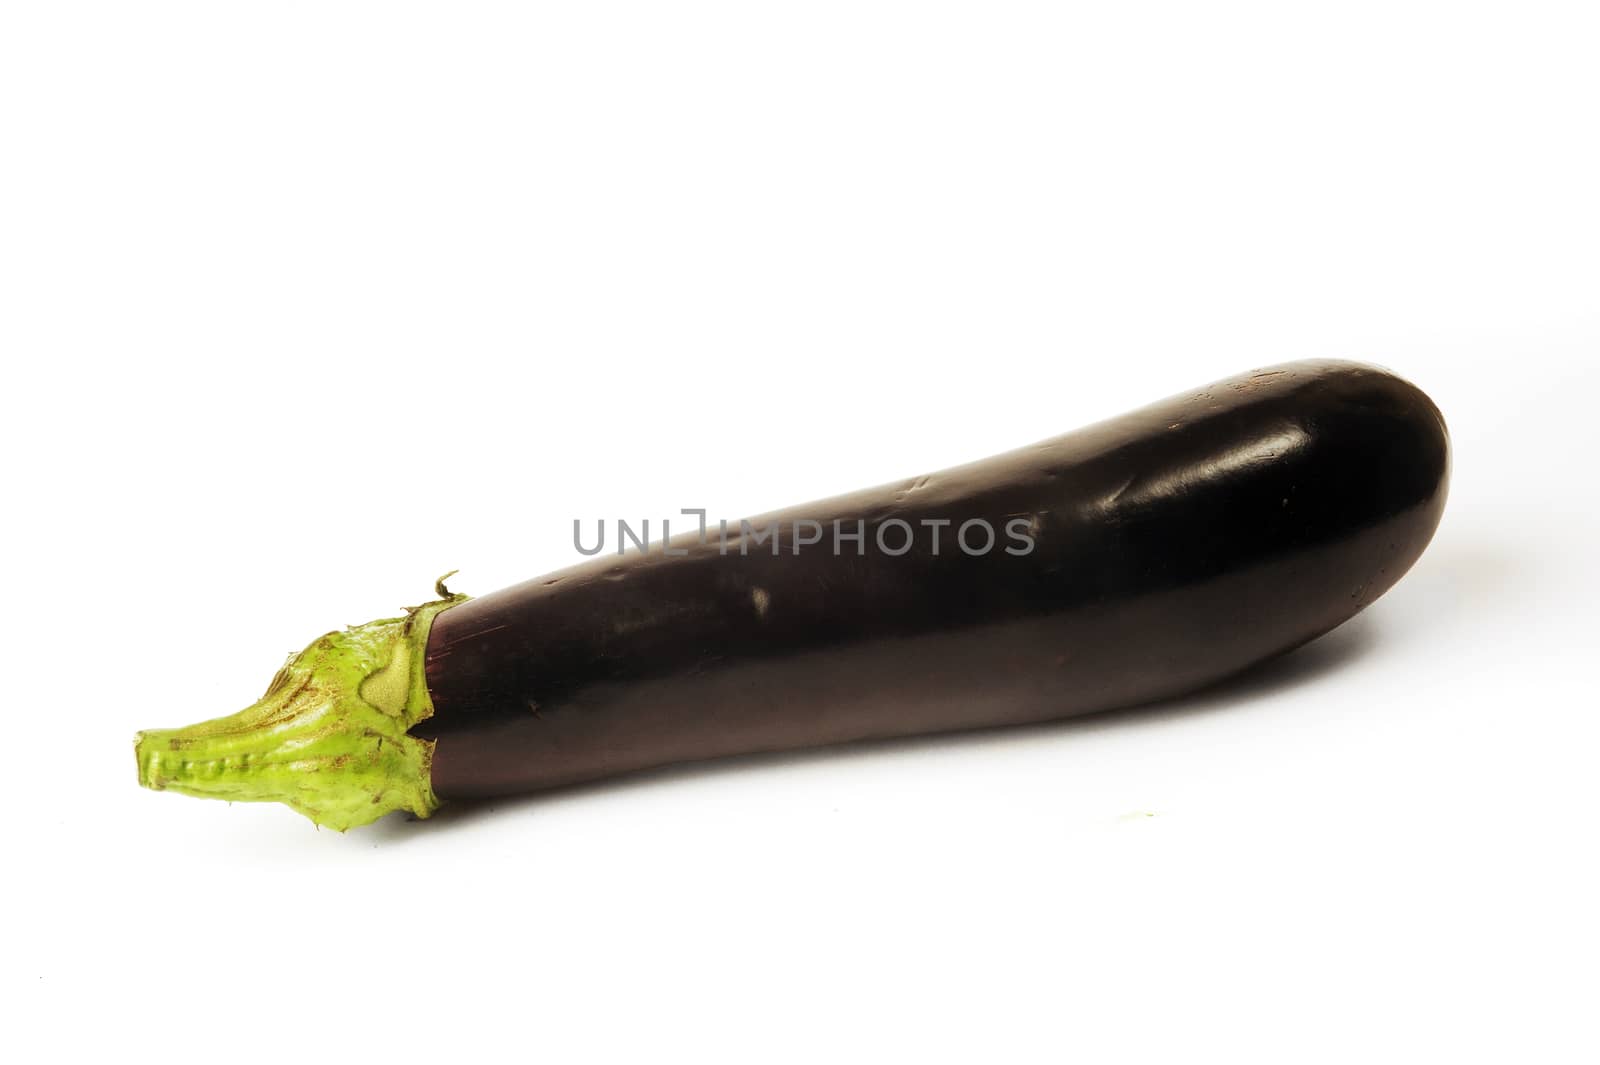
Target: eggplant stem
x,y
329,738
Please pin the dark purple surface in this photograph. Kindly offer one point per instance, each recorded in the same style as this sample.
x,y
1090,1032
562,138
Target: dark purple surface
x,y
1174,546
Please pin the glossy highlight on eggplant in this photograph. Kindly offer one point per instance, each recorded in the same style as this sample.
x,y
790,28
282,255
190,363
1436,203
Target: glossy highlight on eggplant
x,y
1171,548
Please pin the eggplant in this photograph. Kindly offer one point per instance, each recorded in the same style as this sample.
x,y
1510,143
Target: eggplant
x,y
1131,561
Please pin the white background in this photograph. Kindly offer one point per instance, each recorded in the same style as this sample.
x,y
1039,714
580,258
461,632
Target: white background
x,y
302,304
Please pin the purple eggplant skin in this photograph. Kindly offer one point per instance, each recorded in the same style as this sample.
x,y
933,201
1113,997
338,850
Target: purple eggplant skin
x,y
1171,548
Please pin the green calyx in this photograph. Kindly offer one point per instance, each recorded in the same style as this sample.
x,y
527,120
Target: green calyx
x,y
328,739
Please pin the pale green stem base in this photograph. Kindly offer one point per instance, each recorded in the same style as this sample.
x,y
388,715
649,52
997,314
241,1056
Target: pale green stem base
x,y
329,737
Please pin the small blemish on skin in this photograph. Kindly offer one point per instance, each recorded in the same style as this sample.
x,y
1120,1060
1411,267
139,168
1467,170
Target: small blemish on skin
x,y
760,598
